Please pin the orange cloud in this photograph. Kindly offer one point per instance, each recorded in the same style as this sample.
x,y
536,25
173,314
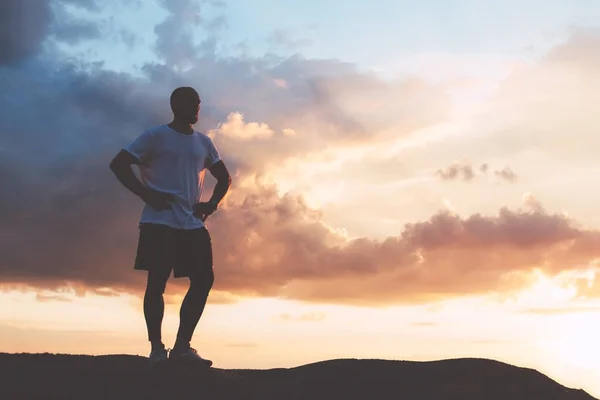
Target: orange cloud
x,y
235,127
306,317
424,324
271,246
561,311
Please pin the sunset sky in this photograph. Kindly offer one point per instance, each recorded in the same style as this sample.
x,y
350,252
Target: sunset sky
x,y
410,181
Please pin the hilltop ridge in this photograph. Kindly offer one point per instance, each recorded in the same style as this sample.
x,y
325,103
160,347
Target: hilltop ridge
x,y
61,376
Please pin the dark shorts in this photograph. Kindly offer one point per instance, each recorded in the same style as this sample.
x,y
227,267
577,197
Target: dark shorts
x,y
165,249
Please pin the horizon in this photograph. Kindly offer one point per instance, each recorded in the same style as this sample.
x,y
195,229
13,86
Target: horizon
x,y
410,182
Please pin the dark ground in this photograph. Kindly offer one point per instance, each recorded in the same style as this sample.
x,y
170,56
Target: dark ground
x,y
48,376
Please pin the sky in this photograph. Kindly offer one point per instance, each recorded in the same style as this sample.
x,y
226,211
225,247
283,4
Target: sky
x,y
410,182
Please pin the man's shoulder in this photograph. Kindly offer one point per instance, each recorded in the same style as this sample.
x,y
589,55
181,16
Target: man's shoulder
x,y
203,137
152,130
200,133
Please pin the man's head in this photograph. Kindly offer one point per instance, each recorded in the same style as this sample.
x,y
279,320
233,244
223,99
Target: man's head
x,y
185,103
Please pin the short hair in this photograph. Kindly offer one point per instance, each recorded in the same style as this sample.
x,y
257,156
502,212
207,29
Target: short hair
x,y
179,92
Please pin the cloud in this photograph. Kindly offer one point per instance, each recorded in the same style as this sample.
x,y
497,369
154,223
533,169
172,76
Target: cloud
x,y
424,324
496,342
23,27
466,171
306,317
41,28
26,26
236,128
242,344
276,246
51,297
457,171
216,296
72,29
561,310
284,38
68,221
546,107
175,44
507,174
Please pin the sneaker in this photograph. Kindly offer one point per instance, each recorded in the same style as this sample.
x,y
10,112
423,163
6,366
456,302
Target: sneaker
x,y
158,356
189,355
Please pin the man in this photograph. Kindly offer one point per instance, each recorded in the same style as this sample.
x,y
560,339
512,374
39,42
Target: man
x,y
172,160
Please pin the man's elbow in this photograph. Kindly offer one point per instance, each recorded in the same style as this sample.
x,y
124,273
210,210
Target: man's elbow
x,y
116,166
223,177
225,180
113,165
121,162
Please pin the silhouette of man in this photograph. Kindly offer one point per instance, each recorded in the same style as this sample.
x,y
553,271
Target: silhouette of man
x,y
172,160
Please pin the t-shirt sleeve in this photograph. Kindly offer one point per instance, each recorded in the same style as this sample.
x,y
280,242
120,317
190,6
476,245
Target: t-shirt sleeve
x,y
141,147
213,154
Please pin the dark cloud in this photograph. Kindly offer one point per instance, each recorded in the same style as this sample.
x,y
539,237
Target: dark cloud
x,y
27,26
23,27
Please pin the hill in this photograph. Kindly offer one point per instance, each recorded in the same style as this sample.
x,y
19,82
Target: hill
x,y
49,376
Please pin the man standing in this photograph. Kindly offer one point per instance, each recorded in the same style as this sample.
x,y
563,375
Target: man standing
x,y
172,160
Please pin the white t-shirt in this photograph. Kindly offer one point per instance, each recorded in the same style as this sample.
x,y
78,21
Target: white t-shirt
x,y
174,163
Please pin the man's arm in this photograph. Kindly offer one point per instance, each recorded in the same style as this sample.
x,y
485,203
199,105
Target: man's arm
x,y
121,167
220,172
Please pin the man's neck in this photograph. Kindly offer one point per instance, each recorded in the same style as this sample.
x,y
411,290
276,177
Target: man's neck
x,y
181,127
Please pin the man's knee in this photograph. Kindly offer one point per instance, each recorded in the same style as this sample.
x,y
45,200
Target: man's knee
x,y
156,285
202,282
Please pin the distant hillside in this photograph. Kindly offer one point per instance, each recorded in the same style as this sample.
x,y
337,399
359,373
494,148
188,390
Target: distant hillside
x,y
47,376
